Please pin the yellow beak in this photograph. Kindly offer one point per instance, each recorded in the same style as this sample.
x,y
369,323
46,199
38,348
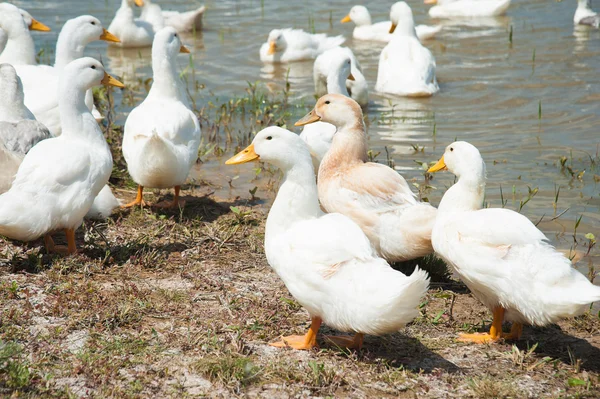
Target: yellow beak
x,y
346,19
440,165
184,49
37,25
393,27
430,2
311,117
351,77
110,81
109,37
139,3
246,155
272,47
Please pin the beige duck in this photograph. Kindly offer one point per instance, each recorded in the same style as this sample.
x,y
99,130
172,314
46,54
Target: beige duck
x,y
375,196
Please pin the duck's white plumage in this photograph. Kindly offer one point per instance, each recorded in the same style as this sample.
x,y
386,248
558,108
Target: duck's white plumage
x,y
19,48
584,15
325,260
162,134
375,196
19,130
329,76
104,204
59,177
380,31
287,45
406,67
132,31
467,8
499,254
187,21
40,82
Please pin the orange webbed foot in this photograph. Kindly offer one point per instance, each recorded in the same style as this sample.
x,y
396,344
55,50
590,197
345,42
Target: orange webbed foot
x,y
478,338
295,341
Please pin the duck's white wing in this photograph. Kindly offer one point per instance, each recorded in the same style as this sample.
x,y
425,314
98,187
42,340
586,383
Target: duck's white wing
x,y
328,241
51,166
496,227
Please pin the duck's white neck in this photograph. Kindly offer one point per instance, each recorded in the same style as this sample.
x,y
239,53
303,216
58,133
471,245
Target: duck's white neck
x,y
68,48
336,84
166,79
467,194
19,49
125,11
75,117
406,27
297,199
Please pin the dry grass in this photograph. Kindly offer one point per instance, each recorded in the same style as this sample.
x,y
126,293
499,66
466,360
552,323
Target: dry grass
x,y
181,304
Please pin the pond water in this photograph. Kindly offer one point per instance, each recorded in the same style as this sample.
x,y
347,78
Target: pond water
x,y
525,99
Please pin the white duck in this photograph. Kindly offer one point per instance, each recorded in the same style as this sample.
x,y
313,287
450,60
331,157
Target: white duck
x,y
467,8
380,31
287,45
59,177
406,67
29,21
40,82
333,72
19,131
501,256
162,134
188,21
375,196
325,260
19,47
133,32
329,78
584,15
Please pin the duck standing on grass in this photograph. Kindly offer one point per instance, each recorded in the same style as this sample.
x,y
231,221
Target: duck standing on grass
x,y
59,178
162,134
375,196
325,260
501,256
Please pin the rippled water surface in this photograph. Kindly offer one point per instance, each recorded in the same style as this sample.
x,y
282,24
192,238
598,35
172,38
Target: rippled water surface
x,y
524,103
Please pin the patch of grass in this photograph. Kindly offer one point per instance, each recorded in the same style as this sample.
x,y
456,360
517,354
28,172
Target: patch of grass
x,y
232,371
492,388
14,367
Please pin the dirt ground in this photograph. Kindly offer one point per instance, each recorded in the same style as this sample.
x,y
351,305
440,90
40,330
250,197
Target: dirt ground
x,y
181,304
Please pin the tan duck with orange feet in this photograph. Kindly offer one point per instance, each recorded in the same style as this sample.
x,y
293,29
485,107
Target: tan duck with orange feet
x,y
501,256
162,134
325,260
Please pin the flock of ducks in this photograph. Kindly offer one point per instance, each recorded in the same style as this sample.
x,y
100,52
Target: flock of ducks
x,y
337,222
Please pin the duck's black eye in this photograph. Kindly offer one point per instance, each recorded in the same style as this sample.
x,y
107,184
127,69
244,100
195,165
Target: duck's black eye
x,y
269,137
327,102
175,35
93,22
93,67
451,149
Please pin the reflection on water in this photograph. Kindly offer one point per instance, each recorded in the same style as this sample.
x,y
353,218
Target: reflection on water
x,y
525,99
